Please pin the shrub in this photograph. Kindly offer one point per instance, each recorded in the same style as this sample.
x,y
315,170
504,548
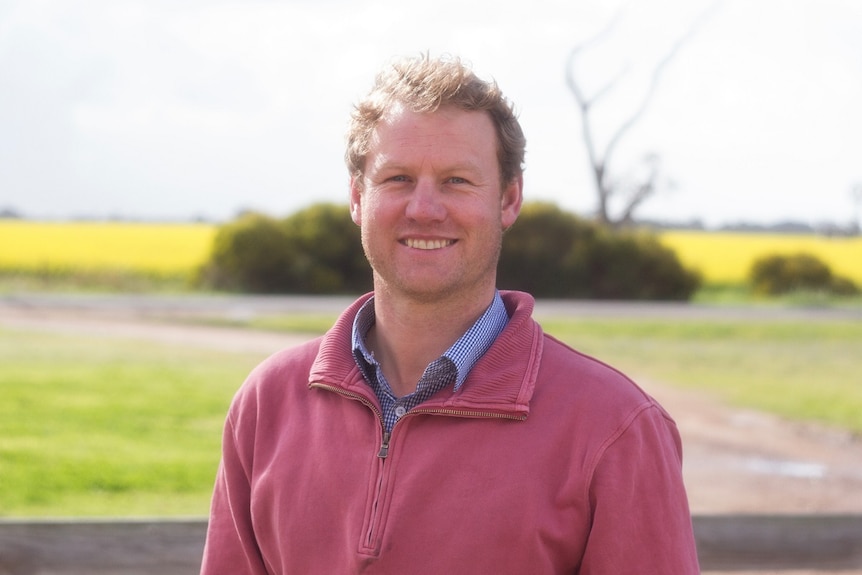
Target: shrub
x,y
541,252
316,250
328,251
634,265
249,254
551,253
842,286
781,274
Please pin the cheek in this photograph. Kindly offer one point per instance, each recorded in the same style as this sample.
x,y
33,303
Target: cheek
x,y
379,208
372,219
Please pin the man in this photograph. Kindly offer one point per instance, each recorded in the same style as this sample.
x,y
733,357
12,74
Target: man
x,y
435,429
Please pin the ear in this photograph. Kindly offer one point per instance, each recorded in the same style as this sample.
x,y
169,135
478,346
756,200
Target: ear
x,y
510,201
356,200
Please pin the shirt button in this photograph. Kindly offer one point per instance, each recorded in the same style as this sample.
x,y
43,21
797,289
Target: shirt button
x,y
400,411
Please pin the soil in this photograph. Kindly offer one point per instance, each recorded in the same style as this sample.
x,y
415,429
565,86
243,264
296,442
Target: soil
x,y
736,460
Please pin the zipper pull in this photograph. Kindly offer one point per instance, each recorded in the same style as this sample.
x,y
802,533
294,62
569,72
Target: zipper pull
x,y
384,447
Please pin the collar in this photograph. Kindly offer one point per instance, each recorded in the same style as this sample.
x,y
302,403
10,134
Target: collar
x,y
464,353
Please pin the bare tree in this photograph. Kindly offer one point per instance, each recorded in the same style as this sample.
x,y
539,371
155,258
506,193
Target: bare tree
x,y
631,194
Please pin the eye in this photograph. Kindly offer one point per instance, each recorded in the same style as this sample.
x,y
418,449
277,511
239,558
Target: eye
x,y
457,180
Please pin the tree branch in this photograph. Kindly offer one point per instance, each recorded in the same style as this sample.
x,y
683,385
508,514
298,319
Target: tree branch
x,y
654,81
642,191
599,161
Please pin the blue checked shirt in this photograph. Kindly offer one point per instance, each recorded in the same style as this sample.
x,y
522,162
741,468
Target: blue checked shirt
x,y
451,368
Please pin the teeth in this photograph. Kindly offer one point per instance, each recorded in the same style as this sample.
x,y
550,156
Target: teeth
x,y
428,244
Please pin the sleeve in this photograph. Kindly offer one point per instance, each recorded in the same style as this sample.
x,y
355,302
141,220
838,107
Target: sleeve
x,y
641,520
231,547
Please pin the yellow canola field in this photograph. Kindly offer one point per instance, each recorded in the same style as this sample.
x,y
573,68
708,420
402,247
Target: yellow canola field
x,y
726,257
153,248
722,257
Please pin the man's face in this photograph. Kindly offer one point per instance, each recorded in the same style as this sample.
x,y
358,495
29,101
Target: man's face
x,y
431,205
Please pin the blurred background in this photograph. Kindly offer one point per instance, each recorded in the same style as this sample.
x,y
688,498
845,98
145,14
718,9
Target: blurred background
x,y
165,162
182,110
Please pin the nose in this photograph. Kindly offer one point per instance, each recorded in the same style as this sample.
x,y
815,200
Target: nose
x,y
426,202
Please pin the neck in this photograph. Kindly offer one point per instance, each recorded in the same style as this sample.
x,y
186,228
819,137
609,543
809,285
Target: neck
x,y
408,334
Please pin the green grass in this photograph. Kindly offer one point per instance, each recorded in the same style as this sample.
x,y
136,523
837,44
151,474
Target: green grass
x,y
741,294
108,427
313,324
56,279
92,427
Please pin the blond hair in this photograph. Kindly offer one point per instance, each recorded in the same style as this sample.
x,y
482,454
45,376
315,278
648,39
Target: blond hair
x,y
424,84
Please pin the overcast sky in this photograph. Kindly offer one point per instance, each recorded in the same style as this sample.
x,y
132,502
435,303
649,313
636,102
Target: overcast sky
x,y
176,109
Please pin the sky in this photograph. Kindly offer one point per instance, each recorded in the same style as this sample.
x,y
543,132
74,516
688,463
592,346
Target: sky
x,y
192,109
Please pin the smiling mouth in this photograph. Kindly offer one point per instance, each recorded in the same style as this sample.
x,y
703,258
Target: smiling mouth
x,y
427,244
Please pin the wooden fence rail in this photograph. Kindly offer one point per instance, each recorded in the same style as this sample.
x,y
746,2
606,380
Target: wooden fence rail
x,y
779,542
173,547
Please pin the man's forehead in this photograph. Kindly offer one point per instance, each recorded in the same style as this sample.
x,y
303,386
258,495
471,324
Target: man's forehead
x,y
402,124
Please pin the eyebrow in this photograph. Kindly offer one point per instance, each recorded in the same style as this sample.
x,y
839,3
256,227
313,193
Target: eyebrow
x,y
468,167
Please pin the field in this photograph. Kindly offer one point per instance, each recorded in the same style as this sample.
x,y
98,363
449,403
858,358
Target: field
x,y
725,258
175,250
53,249
101,426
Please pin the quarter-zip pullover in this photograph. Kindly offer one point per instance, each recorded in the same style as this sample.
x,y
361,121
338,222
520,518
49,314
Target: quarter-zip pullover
x,y
545,461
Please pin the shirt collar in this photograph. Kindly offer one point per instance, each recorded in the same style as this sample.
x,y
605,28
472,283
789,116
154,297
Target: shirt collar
x,y
464,353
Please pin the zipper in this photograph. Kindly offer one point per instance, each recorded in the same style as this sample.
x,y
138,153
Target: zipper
x,y
384,447
369,544
466,413
374,520
352,395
